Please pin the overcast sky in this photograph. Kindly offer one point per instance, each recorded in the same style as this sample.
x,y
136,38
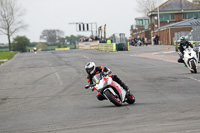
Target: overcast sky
x,y
118,15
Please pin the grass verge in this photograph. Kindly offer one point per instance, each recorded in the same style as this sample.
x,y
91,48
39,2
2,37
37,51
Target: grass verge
x,y
6,55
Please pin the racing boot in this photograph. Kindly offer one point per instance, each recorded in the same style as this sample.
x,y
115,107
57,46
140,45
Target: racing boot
x,y
180,60
115,78
125,87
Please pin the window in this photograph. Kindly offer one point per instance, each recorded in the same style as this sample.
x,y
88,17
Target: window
x,y
146,24
139,22
185,16
152,19
172,17
193,15
164,17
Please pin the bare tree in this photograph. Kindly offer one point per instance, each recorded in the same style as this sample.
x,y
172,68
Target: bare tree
x,y
51,36
146,6
196,2
10,18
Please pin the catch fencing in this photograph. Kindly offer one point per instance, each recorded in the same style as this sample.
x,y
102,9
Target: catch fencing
x,y
120,40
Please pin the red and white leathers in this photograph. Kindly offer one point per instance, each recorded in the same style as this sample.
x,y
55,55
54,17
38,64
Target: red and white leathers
x,y
105,70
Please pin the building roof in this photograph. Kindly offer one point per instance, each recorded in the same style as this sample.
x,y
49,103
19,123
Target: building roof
x,y
177,5
188,22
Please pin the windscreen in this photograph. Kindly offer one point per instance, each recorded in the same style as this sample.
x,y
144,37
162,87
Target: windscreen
x,y
96,79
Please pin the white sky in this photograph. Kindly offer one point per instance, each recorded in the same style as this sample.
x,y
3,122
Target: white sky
x,y
118,15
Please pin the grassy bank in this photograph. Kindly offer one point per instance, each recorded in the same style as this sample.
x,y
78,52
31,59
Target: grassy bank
x,y
6,56
6,49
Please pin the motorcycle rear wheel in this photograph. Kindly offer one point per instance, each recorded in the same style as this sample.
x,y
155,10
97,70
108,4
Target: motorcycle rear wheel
x,y
112,98
130,99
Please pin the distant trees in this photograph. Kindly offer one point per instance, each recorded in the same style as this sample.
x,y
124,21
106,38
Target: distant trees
x,y
41,46
146,6
73,39
20,43
51,36
10,18
196,2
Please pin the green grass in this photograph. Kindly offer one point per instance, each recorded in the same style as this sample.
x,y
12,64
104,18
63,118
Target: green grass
x,y
6,55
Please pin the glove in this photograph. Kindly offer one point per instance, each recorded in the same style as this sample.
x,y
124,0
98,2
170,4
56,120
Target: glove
x,y
87,86
105,73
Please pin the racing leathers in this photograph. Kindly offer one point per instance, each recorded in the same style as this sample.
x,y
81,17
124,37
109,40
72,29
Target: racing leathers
x,y
105,70
181,48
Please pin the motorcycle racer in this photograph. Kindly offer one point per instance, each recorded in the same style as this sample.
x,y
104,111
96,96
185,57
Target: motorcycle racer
x,y
182,46
92,70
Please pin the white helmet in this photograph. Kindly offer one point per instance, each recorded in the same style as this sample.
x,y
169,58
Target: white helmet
x,y
90,67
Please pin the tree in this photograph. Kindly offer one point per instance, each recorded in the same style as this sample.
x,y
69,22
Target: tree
x,y
59,45
196,2
20,43
41,46
73,39
10,18
146,6
51,36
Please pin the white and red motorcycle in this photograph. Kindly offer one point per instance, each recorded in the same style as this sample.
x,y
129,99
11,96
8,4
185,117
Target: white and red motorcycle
x,y
111,90
190,59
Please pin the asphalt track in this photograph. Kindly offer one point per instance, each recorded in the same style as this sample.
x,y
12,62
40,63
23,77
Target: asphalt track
x,y
44,93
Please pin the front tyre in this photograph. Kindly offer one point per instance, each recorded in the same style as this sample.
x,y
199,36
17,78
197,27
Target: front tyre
x,y
116,101
194,68
130,99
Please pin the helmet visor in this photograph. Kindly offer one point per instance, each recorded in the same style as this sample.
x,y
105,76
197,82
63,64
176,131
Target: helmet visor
x,y
89,70
183,41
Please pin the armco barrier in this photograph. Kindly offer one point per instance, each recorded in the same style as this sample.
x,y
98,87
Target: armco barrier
x,y
107,47
62,49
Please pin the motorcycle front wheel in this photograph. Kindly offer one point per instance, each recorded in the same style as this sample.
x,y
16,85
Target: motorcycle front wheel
x,y
193,67
115,100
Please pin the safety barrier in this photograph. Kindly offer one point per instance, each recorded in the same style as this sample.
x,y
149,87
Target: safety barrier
x,y
62,49
88,45
122,47
107,47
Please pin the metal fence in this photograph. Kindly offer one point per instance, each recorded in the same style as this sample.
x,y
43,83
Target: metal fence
x,y
195,33
178,35
119,38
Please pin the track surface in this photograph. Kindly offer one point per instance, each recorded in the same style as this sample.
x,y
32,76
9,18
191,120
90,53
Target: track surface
x,y
44,93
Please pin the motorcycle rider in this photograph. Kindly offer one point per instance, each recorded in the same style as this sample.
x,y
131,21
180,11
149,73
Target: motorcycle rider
x,y
182,46
92,70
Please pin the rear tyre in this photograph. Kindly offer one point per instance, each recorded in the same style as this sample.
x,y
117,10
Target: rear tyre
x,y
130,99
194,67
116,101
